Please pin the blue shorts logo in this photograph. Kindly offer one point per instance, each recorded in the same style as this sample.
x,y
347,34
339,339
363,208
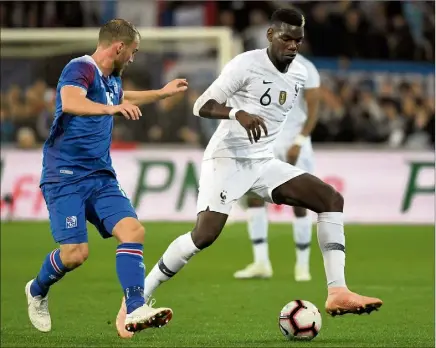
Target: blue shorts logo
x,y
71,221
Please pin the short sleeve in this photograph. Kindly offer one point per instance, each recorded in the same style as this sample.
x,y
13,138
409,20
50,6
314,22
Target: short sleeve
x,y
232,77
79,74
313,78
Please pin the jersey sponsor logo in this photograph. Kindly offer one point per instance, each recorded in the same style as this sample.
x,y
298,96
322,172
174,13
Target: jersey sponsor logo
x,y
282,97
71,221
65,171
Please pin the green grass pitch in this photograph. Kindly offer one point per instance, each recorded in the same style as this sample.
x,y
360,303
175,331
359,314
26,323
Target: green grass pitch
x,y
395,263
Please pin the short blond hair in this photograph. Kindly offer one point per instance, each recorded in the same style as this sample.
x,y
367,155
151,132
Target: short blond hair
x,y
118,30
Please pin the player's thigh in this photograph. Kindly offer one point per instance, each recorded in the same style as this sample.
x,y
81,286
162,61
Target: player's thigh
x,y
66,208
108,206
274,174
308,191
306,159
223,181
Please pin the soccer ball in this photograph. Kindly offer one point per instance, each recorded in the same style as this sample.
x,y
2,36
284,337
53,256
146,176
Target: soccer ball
x,y
300,320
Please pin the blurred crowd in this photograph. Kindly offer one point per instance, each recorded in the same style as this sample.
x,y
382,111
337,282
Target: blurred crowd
x,y
396,109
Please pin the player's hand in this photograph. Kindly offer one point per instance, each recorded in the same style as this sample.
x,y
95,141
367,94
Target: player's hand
x,y
174,87
293,153
253,125
129,111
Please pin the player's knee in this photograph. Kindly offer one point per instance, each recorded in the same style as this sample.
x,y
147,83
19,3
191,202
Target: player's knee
x,y
74,255
129,230
204,235
203,238
134,235
334,200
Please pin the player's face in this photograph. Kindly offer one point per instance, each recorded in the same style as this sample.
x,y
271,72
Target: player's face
x,y
125,56
285,40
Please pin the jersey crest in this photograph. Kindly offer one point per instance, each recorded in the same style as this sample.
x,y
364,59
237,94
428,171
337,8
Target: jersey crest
x,y
282,97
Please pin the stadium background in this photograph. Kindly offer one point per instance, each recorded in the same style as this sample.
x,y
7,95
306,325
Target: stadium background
x,y
374,142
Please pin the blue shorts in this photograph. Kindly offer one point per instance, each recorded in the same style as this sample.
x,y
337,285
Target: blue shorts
x,y
96,198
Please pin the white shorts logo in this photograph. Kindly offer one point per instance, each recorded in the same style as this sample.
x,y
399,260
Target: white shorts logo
x,y
223,196
71,221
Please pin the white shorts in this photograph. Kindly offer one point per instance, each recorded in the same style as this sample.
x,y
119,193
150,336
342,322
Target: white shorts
x,y
305,160
223,181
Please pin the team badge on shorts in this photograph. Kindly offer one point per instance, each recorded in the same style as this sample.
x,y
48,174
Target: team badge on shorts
x,y
282,97
223,196
71,221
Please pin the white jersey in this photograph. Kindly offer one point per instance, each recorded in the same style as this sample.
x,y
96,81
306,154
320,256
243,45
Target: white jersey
x,y
298,116
252,83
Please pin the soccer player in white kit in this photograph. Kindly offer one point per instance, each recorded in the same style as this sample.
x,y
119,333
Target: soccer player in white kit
x,y
293,145
253,95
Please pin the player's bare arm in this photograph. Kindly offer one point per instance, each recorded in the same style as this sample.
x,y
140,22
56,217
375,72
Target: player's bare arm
x,y
147,97
312,99
74,102
251,123
212,105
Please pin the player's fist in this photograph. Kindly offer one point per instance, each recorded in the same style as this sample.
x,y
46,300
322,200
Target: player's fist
x,y
293,153
174,87
129,111
253,125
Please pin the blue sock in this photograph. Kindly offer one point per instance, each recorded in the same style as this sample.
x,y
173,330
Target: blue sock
x,y
131,274
52,271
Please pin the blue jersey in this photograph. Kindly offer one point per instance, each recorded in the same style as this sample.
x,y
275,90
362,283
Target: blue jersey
x,y
79,145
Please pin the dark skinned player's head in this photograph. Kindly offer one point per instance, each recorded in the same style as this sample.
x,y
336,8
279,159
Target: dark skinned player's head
x,y
285,35
122,39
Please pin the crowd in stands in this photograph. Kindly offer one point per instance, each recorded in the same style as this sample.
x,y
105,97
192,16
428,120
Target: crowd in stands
x,y
393,109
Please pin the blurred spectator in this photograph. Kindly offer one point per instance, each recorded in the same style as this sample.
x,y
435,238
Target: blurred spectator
x,y
26,138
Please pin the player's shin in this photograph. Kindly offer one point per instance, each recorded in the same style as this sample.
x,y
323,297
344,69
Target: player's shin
x,y
175,257
302,227
131,272
52,271
258,232
331,240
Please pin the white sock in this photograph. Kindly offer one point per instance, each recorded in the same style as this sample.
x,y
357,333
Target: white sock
x,y
174,258
258,231
331,241
302,239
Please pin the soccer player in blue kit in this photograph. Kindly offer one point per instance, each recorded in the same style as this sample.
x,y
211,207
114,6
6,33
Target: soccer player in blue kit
x,y
79,183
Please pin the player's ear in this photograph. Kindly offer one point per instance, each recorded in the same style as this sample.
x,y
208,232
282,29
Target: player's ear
x,y
120,47
269,34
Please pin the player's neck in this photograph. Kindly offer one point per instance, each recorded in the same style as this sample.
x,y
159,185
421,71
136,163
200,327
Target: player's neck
x,y
282,67
104,63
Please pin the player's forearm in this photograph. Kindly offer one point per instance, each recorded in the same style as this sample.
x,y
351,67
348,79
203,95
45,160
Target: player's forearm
x,y
312,98
213,110
84,107
144,97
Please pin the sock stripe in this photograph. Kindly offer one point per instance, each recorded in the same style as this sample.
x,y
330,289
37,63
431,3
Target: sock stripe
x,y
333,246
53,262
133,252
165,270
258,241
302,246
